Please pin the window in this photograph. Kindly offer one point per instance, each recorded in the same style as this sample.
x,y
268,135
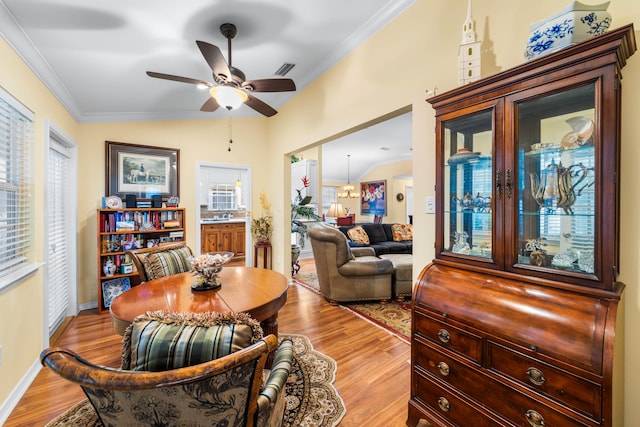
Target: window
x,y
329,195
222,197
16,212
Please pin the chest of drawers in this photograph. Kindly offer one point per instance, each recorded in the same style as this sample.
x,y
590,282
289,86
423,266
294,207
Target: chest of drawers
x,y
493,350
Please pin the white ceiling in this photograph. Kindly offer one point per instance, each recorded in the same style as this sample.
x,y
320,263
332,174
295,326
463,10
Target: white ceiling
x,y
93,56
386,142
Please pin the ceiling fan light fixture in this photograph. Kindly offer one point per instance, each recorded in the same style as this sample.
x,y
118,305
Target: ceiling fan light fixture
x,y
228,97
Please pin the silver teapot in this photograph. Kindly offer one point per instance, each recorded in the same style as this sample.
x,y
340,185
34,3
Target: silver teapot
x,y
557,185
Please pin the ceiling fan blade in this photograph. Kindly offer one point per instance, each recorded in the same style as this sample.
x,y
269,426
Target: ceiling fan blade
x,y
214,58
260,106
179,79
270,85
210,105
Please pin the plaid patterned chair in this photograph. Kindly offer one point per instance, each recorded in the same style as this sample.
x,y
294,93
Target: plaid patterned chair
x,y
160,261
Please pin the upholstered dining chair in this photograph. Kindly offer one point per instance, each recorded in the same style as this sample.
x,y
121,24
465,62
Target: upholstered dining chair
x,y
159,261
224,391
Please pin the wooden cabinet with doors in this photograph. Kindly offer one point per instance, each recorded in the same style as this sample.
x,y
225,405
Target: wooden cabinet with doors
x,y
514,322
122,229
224,236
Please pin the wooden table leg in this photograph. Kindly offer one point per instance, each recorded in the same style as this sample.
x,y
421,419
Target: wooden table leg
x,y
270,326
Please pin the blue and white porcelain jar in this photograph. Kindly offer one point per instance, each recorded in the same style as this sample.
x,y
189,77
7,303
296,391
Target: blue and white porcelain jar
x,y
575,23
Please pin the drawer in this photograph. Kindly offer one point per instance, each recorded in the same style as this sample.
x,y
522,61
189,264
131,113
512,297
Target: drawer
x,y
523,410
444,371
449,406
445,368
445,334
578,393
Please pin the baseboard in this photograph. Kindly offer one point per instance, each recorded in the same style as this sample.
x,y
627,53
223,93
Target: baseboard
x,y
19,390
88,306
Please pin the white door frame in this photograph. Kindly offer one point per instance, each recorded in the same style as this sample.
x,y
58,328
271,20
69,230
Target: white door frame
x,y
246,189
51,131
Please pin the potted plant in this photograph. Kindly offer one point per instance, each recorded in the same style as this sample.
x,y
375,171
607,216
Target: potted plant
x,y
262,228
300,209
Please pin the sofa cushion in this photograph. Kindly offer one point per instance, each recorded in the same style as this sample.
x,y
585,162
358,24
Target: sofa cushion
x,y
390,248
159,341
167,263
358,235
375,232
388,231
402,232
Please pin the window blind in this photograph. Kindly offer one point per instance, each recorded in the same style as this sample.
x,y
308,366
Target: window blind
x,y
16,140
58,229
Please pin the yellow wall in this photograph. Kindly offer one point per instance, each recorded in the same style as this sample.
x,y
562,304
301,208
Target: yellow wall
x,y
21,307
389,172
386,75
197,140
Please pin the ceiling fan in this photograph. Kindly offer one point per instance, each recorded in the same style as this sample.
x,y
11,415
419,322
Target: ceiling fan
x,y
231,89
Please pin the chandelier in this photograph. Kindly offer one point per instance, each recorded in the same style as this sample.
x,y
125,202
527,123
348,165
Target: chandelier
x,y
348,190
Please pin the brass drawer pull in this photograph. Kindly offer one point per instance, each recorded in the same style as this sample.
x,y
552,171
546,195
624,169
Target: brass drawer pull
x,y
444,336
443,368
443,404
534,418
536,376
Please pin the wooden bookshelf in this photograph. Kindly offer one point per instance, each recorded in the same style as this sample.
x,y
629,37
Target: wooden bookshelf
x,y
124,229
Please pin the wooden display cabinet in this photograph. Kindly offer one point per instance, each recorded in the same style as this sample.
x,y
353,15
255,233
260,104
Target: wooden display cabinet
x,y
123,229
514,321
226,236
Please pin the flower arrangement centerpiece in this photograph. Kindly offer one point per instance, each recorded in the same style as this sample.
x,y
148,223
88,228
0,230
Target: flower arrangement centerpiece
x,y
300,209
206,268
262,228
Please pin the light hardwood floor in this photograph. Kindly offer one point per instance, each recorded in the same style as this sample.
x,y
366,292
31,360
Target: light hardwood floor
x,y
373,376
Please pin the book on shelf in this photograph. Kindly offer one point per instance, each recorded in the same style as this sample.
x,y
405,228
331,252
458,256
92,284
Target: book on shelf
x,y
177,235
172,223
125,226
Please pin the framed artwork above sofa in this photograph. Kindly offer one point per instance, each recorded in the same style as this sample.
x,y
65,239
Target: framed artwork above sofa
x,y
373,197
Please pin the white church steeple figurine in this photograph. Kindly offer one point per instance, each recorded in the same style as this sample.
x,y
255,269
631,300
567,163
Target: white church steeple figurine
x,y
469,52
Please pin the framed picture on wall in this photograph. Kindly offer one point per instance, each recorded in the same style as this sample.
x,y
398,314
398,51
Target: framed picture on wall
x,y
373,198
141,170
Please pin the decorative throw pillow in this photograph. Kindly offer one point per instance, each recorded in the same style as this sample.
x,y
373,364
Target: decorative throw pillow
x,y
167,263
160,340
402,232
358,235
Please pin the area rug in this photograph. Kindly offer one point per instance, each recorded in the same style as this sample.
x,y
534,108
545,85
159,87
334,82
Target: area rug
x,y
311,398
393,316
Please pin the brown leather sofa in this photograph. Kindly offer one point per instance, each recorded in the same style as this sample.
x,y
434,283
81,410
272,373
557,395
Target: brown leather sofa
x,y
348,274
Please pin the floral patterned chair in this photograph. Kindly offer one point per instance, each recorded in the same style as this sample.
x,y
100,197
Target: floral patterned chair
x,y
227,390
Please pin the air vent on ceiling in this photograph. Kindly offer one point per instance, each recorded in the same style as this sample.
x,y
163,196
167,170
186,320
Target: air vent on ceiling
x,y
284,69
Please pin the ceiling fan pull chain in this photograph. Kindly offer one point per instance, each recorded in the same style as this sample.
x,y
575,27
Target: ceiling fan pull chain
x,y
230,135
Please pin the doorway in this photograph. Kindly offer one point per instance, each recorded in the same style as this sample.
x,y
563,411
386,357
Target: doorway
x,y
60,288
217,175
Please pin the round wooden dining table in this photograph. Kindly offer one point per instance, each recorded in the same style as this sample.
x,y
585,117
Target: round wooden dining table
x,y
257,291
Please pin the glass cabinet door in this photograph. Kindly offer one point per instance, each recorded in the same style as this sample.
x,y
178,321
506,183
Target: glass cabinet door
x,y
556,180
467,184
